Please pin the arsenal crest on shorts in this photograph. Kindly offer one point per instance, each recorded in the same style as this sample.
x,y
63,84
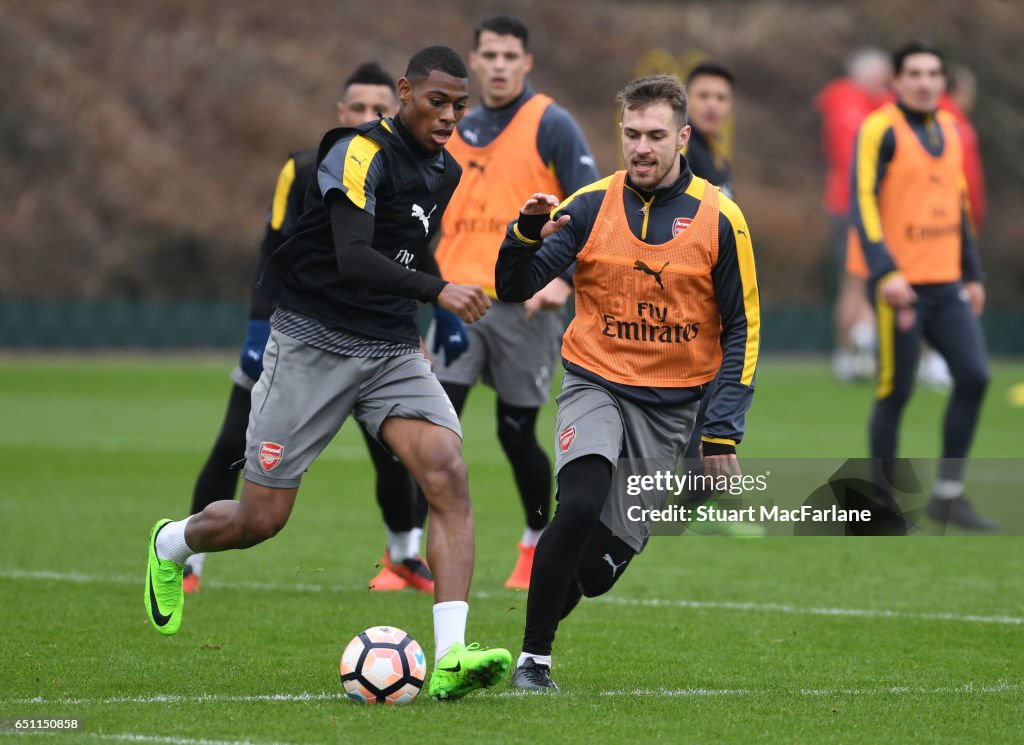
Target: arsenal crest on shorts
x,y
270,455
565,439
680,224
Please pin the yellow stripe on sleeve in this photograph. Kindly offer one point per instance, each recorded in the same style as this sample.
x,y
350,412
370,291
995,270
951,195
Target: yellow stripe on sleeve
x,y
284,185
358,156
886,319
601,185
718,440
869,143
519,236
748,278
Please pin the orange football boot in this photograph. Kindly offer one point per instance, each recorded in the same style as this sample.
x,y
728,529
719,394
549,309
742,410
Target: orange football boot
x,y
386,580
190,582
520,577
414,571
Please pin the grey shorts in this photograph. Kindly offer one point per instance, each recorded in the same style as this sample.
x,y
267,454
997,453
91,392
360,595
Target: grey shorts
x,y
594,421
514,356
305,394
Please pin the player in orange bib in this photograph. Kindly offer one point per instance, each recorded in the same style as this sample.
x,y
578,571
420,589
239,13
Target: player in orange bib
x,y
666,297
912,238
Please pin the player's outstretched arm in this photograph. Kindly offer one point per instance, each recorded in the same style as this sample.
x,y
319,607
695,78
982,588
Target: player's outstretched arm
x,y
535,250
556,292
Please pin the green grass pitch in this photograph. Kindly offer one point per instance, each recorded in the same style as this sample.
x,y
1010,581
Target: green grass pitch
x,y
705,640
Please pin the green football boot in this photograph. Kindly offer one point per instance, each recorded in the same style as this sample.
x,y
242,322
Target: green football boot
x,y
164,598
464,669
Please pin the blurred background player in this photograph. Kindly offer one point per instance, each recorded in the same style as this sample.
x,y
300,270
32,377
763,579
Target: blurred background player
x,y
709,95
515,143
662,307
709,99
368,94
844,103
914,239
958,100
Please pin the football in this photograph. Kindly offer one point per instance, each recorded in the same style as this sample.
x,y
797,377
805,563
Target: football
x,y
383,665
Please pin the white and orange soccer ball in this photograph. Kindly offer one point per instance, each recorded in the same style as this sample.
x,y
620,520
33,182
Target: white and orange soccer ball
x,y
383,665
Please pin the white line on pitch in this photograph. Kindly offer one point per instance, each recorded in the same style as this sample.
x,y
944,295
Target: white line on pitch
x,y
812,611
967,689
783,608
881,691
794,609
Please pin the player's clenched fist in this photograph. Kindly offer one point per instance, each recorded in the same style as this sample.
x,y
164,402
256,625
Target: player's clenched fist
x,y
468,302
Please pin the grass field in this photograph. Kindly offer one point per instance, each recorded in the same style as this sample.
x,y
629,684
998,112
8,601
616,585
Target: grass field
x,y
792,640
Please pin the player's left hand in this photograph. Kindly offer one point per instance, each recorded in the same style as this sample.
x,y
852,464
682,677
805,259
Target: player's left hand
x,y
975,297
722,465
550,297
449,334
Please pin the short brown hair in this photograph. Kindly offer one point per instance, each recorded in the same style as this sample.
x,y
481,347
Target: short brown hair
x,y
643,92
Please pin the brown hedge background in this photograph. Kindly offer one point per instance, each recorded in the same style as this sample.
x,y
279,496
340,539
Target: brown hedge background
x,y
139,142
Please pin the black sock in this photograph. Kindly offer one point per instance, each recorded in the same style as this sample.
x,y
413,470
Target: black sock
x,y
583,486
219,478
530,464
